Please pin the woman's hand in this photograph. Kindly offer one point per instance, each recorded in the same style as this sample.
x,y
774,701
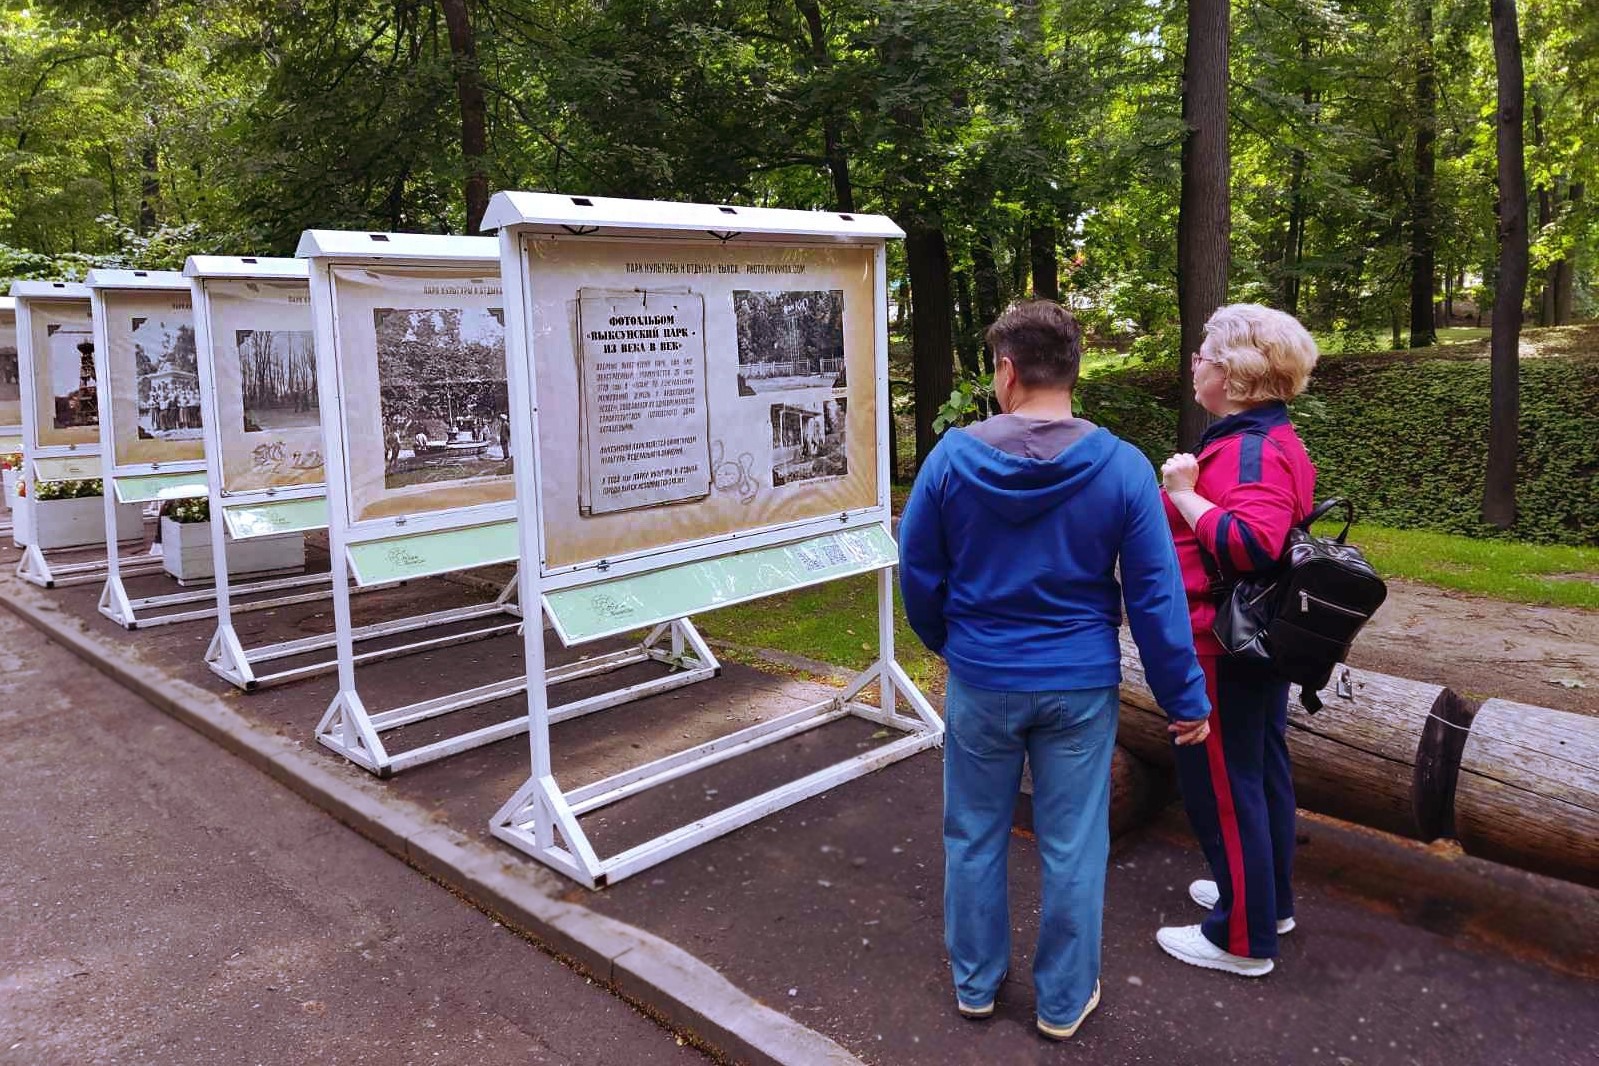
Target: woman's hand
x,y
1180,473
1189,732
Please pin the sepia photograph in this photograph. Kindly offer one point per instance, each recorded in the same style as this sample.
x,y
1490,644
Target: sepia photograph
x,y
277,368
446,412
808,441
72,383
789,340
167,370
10,378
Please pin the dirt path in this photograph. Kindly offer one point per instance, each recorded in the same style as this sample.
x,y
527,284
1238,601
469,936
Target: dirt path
x,y
1480,647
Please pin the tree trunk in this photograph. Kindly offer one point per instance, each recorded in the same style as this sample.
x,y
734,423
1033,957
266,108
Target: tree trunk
x,y
149,188
1204,216
1294,244
1045,260
832,128
1424,207
474,112
966,344
986,275
1546,294
1510,289
1566,269
1449,297
932,340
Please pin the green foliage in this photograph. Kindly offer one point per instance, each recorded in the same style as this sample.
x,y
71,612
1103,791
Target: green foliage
x,y
188,511
968,402
1405,438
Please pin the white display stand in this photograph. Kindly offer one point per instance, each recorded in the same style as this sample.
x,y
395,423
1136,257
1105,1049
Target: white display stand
x,y
544,239
423,540
10,426
46,455
131,480
259,510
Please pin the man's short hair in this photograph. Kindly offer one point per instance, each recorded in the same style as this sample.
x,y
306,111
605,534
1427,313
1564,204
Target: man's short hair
x,y
1042,340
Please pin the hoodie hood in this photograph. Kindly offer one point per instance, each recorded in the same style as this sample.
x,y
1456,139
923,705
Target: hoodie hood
x,y
1017,488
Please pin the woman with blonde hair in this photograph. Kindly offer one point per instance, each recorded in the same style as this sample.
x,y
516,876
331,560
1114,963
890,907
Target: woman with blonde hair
x,y
1230,508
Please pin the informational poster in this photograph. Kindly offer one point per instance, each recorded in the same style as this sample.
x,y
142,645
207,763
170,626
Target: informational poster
x,y
263,365
66,394
154,377
10,373
421,355
689,391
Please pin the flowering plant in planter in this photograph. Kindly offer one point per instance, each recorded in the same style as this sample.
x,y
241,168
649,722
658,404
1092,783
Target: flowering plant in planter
x,y
11,461
69,490
186,512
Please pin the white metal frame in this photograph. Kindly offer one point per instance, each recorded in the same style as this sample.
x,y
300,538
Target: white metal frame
x,y
348,727
115,603
8,305
36,567
541,819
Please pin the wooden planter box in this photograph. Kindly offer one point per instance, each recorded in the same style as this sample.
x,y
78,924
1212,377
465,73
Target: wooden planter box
x,y
80,522
186,553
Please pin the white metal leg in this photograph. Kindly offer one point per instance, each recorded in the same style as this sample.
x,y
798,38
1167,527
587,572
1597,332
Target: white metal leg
x,y
350,729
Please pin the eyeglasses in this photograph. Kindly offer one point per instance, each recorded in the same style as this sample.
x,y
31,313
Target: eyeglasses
x,y
1195,359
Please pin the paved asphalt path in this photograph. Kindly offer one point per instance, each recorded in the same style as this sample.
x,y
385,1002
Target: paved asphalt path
x,y
162,902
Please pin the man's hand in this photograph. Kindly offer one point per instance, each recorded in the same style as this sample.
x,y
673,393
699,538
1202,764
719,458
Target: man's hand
x,y
1189,732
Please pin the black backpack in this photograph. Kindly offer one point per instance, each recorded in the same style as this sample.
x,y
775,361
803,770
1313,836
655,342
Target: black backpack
x,y
1301,616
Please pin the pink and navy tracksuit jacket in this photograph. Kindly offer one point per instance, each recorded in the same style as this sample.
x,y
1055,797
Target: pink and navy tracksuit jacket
x,y
1254,468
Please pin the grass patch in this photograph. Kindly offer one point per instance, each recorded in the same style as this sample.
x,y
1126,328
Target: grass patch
x,y
1550,575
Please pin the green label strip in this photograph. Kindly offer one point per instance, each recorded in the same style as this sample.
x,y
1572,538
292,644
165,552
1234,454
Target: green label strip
x,y
67,468
621,604
142,488
415,555
276,516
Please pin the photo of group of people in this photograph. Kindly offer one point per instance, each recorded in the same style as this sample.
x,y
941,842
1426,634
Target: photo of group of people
x,y
166,368
446,408
791,340
73,389
10,377
277,368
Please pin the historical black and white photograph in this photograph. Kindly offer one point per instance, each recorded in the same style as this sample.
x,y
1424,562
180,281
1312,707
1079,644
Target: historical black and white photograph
x,y
789,340
10,379
277,368
446,411
808,441
72,382
166,367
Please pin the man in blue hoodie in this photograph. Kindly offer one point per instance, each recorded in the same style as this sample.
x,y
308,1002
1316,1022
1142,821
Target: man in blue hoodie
x,y
1009,550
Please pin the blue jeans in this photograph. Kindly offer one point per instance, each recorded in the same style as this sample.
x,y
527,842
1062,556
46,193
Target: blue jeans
x,y
1068,737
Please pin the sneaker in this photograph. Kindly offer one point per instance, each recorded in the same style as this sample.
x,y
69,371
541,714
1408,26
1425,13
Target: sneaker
x,y
1205,893
1188,944
986,1010
1066,1032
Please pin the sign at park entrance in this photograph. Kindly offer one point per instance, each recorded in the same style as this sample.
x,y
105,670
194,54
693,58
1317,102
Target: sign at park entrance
x,y
726,388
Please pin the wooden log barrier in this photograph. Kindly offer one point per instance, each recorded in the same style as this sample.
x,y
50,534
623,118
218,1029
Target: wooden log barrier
x,y
1137,793
1355,759
1528,791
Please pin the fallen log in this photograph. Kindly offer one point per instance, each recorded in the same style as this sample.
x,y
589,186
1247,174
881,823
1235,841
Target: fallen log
x,y
1356,759
1137,793
1528,790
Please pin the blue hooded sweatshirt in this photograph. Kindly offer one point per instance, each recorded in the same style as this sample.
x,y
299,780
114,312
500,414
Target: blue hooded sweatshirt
x,y
1008,564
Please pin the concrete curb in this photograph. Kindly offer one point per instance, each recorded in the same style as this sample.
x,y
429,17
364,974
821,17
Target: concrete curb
x,y
663,979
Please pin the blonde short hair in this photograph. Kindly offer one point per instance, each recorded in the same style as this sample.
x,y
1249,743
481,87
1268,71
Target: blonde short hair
x,y
1267,354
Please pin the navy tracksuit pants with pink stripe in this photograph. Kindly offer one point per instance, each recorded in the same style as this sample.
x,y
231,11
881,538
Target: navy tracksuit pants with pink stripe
x,y
1239,791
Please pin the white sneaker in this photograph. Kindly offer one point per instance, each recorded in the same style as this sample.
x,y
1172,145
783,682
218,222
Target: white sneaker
x,y
1205,893
1188,944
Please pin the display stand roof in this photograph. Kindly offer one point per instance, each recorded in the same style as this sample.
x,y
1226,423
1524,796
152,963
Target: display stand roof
x,y
246,266
359,244
44,290
554,213
136,279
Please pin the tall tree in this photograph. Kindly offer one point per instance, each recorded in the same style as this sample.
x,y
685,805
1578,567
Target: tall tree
x,y
474,112
1510,288
1424,197
1204,217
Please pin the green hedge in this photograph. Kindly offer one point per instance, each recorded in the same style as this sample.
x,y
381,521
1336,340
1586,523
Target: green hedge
x,y
1406,439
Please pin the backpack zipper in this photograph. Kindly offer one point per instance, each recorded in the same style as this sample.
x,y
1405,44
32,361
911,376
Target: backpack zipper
x,y
1306,599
